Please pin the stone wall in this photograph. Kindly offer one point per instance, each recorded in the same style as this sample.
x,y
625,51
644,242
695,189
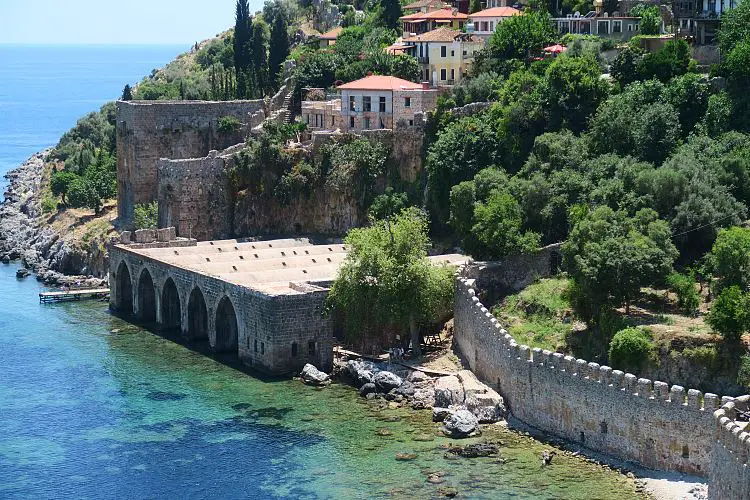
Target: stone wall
x,y
150,130
603,409
730,475
193,196
267,325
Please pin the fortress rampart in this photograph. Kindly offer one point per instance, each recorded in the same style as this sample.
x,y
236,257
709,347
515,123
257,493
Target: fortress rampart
x,y
150,130
729,476
606,410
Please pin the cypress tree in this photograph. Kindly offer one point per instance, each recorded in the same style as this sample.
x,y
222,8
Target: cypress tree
x,y
389,13
243,58
127,93
475,6
260,51
279,47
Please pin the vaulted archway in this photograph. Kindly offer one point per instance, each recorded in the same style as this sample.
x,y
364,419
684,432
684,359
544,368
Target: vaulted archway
x,y
146,297
124,284
226,327
197,316
171,312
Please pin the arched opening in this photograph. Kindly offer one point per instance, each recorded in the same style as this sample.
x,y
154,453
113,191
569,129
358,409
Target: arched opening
x,y
171,313
124,302
197,316
146,297
226,327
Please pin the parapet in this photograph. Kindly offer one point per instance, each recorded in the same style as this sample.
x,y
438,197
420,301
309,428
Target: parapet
x,y
155,238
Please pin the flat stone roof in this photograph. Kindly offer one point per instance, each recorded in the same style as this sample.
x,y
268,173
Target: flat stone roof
x,y
272,266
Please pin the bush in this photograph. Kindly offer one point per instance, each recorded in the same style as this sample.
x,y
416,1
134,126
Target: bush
x,y
743,374
729,314
146,215
630,349
731,257
687,296
229,125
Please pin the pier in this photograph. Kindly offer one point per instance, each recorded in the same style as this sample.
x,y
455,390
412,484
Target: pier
x,y
73,295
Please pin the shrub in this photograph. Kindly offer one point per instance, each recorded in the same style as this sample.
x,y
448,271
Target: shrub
x,y
743,374
687,296
731,257
729,315
229,125
630,349
146,215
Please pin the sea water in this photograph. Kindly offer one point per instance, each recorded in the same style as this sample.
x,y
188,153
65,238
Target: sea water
x,y
92,406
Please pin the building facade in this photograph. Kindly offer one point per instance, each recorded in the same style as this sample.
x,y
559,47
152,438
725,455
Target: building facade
x,y
605,26
700,19
444,55
422,22
484,22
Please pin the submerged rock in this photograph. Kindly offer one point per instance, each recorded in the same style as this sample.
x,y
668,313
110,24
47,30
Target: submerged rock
x,y
367,389
385,381
475,450
461,424
22,273
312,376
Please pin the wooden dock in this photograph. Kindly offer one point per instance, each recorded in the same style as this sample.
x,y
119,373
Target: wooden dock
x,y
73,295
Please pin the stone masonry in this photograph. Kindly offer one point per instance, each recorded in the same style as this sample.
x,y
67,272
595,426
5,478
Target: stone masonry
x,y
730,476
150,130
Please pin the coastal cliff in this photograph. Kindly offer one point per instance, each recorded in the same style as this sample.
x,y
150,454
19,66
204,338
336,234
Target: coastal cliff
x,y
59,246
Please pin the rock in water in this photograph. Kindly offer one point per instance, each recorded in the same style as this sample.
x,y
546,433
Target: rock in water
x,y
385,381
440,414
461,424
475,450
22,273
312,376
448,391
488,407
367,389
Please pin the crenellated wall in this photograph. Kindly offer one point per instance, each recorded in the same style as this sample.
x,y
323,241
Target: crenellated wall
x,y
603,409
730,476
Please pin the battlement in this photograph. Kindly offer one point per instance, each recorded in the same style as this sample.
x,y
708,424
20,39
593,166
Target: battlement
x,y
607,410
730,477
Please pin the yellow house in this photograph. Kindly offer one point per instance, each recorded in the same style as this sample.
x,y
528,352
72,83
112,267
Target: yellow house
x,y
444,54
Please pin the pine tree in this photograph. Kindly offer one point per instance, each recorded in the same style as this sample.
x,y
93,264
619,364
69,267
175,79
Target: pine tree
x,y
127,93
261,35
475,6
279,46
243,57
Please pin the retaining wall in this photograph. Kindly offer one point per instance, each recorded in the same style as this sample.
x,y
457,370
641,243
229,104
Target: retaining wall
x,y
603,409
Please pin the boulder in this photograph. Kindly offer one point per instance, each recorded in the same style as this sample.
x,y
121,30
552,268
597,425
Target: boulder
x,y
367,389
406,389
364,377
417,377
448,391
22,273
488,407
461,424
440,414
312,376
470,383
5,259
423,399
385,381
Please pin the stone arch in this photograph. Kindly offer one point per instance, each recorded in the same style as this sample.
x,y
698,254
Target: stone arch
x,y
171,311
124,289
197,315
226,326
146,297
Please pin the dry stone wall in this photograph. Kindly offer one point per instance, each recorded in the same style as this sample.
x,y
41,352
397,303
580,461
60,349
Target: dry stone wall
x,y
603,409
150,130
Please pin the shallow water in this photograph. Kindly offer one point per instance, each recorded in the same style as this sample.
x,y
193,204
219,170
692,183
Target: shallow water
x,y
95,407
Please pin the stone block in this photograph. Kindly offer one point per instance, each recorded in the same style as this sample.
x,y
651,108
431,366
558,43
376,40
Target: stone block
x,y
471,385
166,234
125,237
145,236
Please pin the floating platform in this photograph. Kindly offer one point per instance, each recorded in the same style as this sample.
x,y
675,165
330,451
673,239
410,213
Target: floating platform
x,y
74,295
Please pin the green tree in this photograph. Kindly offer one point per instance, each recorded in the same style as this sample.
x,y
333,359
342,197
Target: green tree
x,y
735,27
737,64
498,228
624,68
99,183
650,21
668,62
243,56
729,313
731,257
146,215
521,37
611,256
630,349
127,93
684,285
475,6
387,205
689,96
60,183
389,12
386,280
718,115
278,49
574,88
261,38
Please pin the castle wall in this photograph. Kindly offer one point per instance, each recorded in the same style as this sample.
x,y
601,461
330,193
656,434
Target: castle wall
x,y
603,409
150,130
730,475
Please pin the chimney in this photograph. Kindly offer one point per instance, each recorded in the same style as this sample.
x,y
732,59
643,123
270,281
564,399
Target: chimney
x,y
425,85
369,73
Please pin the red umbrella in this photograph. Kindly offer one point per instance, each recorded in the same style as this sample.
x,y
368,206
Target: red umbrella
x,y
555,49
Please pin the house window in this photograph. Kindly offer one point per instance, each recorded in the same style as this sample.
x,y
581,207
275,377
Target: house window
x,y
382,125
382,104
367,103
294,349
453,53
307,119
453,74
616,26
411,123
333,121
442,51
602,27
352,103
366,123
407,102
442,74
311,348
351,122
492,25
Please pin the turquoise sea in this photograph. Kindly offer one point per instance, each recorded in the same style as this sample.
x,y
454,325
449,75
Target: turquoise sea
x,y
92,406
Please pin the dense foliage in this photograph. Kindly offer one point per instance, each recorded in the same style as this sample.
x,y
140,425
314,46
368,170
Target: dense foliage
x,y
630,349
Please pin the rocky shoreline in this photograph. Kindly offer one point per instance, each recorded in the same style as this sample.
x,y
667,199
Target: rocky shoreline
x,y
26,237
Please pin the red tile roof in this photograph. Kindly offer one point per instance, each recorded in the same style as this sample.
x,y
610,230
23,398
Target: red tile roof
x,y
441,34
446,13
331,35
380,82
425,3
497,12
